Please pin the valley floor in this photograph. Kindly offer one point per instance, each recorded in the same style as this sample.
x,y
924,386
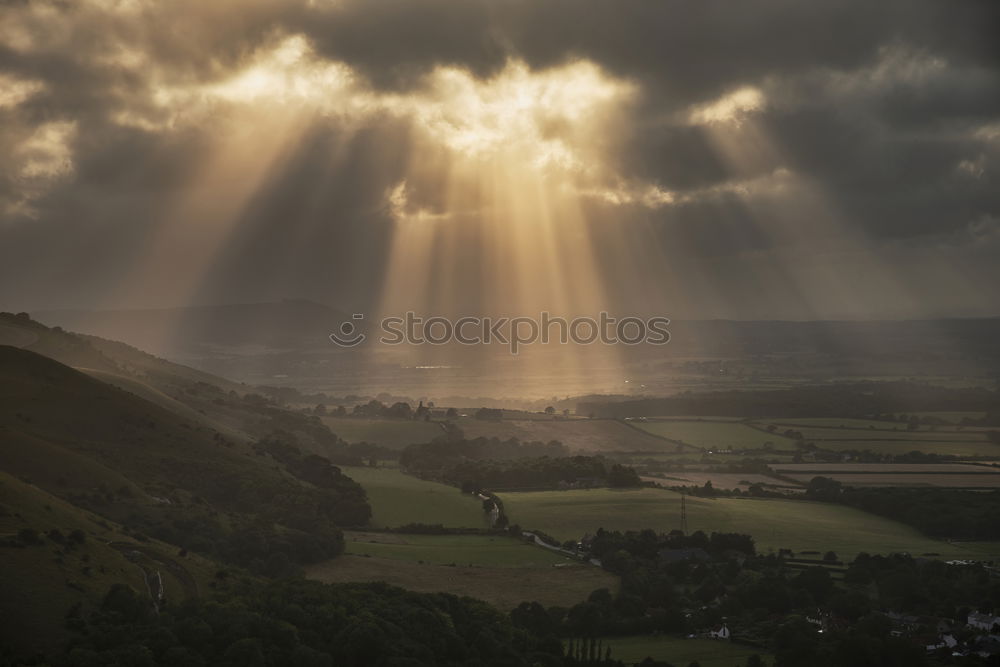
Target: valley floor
x,y
504,587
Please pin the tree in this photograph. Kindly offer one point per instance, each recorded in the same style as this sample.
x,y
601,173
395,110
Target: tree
x,y
121,599
532,617
244,653
400,410
824,488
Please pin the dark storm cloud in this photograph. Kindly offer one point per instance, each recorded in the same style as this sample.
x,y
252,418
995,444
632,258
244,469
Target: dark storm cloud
x,y
889,144
892,108
683,50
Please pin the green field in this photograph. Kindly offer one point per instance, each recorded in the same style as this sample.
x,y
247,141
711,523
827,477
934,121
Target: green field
x,y
887,437
967,448
793,524
392,433
504,587
713,434
469,550
680,651
398,499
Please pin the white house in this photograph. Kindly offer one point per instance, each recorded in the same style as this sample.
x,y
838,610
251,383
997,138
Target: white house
x,y
983,621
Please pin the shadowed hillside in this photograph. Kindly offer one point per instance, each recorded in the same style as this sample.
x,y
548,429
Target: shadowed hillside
x,y
116,454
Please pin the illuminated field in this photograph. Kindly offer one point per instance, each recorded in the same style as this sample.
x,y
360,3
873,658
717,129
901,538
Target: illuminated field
x,y
714,434
398,499
465,550
504,587
793,524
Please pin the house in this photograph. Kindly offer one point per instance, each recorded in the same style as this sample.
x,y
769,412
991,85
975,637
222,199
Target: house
x,y
983,621
719,632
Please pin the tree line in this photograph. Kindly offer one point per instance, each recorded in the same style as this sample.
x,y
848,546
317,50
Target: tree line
x,y
494,464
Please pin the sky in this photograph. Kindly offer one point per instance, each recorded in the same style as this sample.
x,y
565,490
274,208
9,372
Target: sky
x,y
762,159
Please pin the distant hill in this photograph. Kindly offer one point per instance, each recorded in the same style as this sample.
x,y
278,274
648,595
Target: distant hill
x,y
920,339
284,324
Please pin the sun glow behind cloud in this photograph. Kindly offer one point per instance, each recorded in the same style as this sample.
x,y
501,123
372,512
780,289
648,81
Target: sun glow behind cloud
x,y
730,108
488,206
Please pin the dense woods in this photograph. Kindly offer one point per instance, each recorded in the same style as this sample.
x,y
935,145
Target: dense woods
x,y
303,623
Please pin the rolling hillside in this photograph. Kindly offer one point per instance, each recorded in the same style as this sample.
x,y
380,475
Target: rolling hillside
x,y
236,411
55,557
111,452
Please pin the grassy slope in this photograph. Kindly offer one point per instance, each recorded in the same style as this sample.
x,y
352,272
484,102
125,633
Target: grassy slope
x,y
39,583
398,499
774,524
43,400
84,436
196,396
